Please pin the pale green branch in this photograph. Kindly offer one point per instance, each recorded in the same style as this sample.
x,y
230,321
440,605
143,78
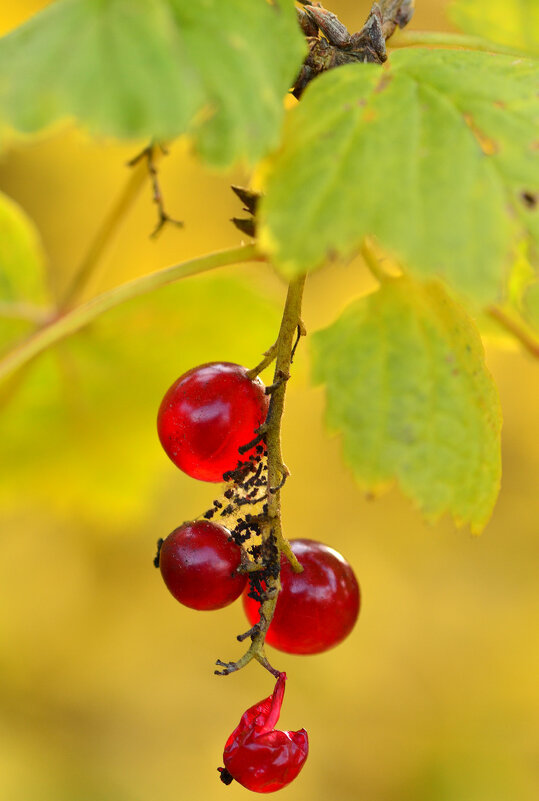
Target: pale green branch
x,y
72,321
517,328
136,180
14,310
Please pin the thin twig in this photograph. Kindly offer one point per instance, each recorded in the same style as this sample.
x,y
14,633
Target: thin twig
x,y
269,357
516,328
148,154
301,332
270,389
251,633
104,236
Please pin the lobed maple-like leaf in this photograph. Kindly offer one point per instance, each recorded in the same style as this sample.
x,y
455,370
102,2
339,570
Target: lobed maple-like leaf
x,y
408,389
156,68
435,155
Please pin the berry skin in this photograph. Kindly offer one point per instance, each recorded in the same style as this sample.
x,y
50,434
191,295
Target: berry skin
x,y
259,757
198,563
207,414
315,609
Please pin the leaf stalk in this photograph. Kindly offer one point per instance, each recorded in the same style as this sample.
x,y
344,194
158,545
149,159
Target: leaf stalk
x,y
517,329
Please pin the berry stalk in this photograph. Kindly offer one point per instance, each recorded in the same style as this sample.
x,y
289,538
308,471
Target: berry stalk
x,y
277,470
271,528
273,541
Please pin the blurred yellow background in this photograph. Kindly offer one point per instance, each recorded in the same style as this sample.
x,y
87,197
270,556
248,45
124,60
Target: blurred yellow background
x,y
107,690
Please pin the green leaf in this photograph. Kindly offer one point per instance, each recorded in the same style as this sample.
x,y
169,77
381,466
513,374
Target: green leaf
x,y
530,305
156,68
435,156
522,275
408,389
78,425
514,24
22,274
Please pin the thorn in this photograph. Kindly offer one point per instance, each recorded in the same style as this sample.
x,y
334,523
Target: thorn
x,y
248,198
246,225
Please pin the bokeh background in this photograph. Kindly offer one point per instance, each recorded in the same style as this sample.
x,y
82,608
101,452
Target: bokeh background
x,y
107,690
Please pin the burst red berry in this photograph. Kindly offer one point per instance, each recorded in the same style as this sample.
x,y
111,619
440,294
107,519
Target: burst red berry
x,y
207,415
315,609
198,563
259,757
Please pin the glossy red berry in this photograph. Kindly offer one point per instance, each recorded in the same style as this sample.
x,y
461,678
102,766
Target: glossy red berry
x,y
315,609
207,414
198,563
259,757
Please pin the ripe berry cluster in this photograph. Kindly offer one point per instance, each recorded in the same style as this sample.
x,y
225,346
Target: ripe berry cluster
x,y
211,424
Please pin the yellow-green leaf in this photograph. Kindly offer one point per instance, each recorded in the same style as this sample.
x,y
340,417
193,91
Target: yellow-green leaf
x,y
408,389
22,274
156,68
436,156
21,256
530,305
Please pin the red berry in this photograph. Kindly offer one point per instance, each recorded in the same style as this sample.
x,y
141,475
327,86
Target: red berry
x,y
315,609
207,414
198,562
259,757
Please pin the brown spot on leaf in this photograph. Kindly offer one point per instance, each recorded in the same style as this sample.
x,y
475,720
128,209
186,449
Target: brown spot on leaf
x,y
529,199
487,145
383,83
332,255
